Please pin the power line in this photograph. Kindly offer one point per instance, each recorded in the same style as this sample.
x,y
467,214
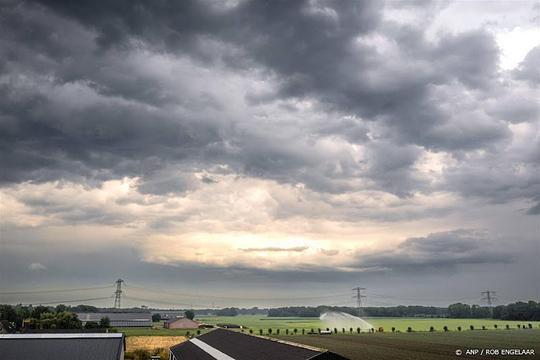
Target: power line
x,y
73,301
46,291
192,295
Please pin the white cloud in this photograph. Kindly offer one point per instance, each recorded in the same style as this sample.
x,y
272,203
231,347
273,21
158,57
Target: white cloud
x,y
37,267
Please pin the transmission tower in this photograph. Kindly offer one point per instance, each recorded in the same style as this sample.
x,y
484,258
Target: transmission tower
x,y
118,294
489,297
358,296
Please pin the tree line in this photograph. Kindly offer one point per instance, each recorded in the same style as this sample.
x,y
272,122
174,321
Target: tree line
x,y
15,318
514,311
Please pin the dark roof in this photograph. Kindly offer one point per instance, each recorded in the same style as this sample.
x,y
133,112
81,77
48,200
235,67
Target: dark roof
x,y
240,346
119,319
187,350
62,346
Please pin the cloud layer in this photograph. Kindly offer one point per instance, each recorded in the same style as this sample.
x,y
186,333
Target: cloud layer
x,y
308,136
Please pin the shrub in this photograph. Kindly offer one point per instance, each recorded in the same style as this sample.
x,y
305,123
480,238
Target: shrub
x,y
286,331
381,329
358,330
335,331
303,331
409,329
277,331
270,331
295,331
393,329
519,326
319,330
483,327
199,332
530,326
260,331
507,327
351,330
187,333
495,326
343,330
459,328
445,328
431,328
471,327
251,331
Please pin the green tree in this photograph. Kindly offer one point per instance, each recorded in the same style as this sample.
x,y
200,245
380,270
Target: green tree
x,y
190,314
156,317
105,323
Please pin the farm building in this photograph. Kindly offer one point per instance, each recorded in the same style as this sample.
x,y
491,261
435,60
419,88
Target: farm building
x,y
169,314
81,346
229,345
119,319
181,323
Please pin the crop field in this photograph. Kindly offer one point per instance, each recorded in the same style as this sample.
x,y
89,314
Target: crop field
x,y
257,322
152,342
424,345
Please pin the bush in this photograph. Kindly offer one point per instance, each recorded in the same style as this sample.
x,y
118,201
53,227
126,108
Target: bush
x,y
483,327
295,331
303,331
459,328
277,332
530,326
358,330
381,329
343,330
495,326
335,331
199,332
471,327
286,331
270,331
409,329
431,328
445,328
393,329
507,327
251,331
260,331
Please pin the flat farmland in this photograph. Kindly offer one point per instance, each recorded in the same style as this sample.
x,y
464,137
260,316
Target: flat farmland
x,y
152,342
424,345
257,322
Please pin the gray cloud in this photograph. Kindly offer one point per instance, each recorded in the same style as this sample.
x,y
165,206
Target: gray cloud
x,y
439,250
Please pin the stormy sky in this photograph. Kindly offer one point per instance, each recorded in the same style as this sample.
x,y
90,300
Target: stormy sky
x,y
217,153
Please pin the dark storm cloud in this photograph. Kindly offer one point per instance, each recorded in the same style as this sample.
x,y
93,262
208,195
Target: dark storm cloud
x,y
314,50
439,250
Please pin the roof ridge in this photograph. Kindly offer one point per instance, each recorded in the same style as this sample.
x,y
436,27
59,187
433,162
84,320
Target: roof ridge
x,y
309,347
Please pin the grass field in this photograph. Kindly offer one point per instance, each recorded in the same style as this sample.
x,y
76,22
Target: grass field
x,y
417,324
424,345
256,322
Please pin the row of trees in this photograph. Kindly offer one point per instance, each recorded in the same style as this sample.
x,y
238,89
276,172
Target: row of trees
x,y
515,311
518,311
14,318
394,311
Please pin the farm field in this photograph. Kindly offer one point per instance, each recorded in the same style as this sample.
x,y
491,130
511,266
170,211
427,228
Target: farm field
x,y
152,342
257,322
423,345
